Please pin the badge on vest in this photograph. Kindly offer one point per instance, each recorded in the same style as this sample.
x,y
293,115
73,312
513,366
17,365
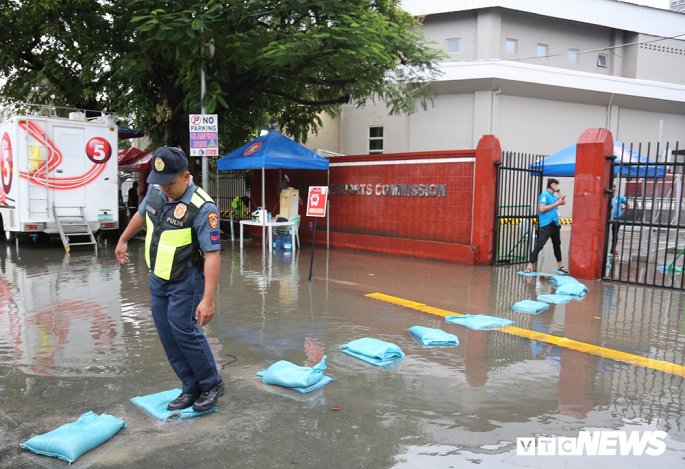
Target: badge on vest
x,y
180,210
151,209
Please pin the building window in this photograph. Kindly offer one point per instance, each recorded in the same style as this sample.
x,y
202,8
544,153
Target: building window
x,y
375,139
573,56
543,50
453,45
602,60
511,46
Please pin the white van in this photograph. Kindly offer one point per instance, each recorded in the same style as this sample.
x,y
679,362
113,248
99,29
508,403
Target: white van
x,y
58,175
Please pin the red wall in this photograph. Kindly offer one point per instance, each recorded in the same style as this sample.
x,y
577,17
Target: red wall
x,y
444,219
433,227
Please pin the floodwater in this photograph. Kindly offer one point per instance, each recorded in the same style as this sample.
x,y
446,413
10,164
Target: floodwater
x,y
76,335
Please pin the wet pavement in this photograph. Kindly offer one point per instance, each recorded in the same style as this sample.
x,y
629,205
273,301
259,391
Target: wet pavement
x,y
76,335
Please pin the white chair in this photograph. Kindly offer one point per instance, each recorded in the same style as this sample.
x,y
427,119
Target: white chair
x,y
296,229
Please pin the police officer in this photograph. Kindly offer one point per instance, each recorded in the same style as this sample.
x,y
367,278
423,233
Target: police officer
x,y
182,252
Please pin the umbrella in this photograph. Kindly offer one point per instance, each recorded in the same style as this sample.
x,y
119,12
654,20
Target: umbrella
x,y
563,163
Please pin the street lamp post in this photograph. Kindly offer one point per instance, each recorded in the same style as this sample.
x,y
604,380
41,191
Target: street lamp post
x,y
205,161
206,51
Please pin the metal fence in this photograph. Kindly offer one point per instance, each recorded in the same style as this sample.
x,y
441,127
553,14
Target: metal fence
x,y
225,186
519,183
646,225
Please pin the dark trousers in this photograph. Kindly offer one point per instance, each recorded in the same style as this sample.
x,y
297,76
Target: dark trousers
x,y
615,226
546,232
173,307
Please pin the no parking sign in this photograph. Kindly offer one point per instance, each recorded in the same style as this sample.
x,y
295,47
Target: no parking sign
x,y
316,201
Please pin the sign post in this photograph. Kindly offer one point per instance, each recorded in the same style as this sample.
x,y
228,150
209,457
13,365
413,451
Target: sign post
x,y
204,134
316,207
204,139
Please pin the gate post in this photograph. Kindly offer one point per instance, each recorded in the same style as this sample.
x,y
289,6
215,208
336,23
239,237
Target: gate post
x,y
593,176
488,153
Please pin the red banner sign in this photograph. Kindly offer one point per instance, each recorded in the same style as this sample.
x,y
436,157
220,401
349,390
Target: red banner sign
x,y
316,201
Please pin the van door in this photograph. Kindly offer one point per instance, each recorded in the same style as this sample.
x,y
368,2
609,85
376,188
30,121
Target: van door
x,y
71,143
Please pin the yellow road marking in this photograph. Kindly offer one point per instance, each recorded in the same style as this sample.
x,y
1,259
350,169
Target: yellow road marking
x,y
631,359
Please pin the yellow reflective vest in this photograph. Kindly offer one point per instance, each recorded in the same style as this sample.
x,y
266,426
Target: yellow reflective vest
x,y
171,244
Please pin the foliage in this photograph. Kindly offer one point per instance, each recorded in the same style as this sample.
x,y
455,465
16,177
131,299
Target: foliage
x,y
274,60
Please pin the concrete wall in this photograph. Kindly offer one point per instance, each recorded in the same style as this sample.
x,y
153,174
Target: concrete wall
x,y
643,126
454,25
524,124
540,126
356,122
663,60
328,137
448,124
482,36
560,36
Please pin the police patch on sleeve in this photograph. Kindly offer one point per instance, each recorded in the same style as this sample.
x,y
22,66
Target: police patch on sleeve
x,y
213,219
214,237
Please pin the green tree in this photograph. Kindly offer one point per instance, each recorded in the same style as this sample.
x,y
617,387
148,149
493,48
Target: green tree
x,y
281,60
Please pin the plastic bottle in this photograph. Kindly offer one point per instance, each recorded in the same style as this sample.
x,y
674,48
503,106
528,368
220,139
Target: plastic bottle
x,y
278,241
288,243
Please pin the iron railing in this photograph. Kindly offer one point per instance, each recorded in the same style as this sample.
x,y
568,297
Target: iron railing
x,y
649,246
225,186
519,183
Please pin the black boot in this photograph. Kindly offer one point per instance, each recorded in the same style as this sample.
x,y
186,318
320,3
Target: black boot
x,y
183,401
208,399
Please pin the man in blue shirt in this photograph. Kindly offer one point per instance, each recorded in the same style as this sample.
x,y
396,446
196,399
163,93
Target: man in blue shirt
x,y
182,248
548,224
618,203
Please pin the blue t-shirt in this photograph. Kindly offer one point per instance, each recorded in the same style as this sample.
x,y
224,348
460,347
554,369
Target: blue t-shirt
x,y
618,202
206,223
545,218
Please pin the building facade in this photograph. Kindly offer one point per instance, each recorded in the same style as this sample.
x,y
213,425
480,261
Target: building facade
x,y
536,74
677,5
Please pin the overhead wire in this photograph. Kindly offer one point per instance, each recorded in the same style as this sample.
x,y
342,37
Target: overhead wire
x,y
588,51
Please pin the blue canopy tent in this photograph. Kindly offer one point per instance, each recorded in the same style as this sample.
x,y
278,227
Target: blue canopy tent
x,y
272,150
563,163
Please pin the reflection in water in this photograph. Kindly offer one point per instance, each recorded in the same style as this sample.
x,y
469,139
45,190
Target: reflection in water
x,y
440,407
59,315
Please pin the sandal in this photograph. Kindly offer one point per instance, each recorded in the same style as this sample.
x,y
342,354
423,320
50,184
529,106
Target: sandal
x,y
528,271
562,270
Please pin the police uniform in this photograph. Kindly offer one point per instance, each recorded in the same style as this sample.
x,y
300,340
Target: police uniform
x,y
176,233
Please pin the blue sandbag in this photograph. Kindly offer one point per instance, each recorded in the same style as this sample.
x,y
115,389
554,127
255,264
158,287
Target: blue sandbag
x,y
155,405
558,280
71,440
572,288
529,306
374,351
302,379
479,322
433,337
555,299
